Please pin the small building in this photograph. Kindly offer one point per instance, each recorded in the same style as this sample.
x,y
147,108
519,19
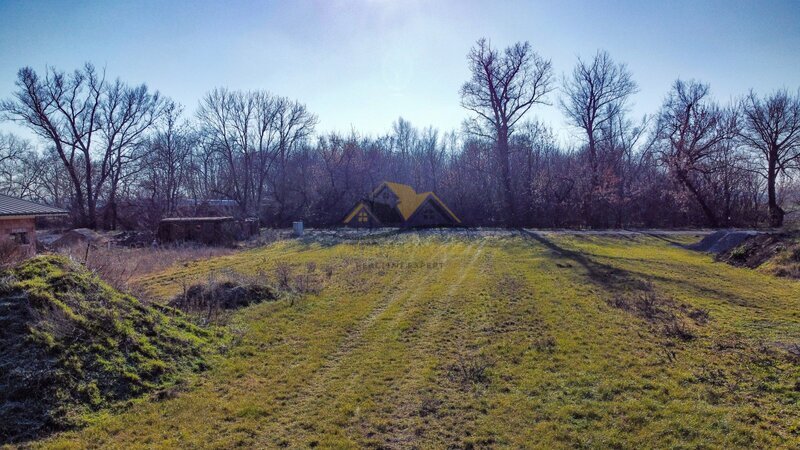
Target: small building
x,y
18,223
395,204
206,230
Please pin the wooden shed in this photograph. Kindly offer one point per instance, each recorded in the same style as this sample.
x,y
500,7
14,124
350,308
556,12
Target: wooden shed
x,y
207,230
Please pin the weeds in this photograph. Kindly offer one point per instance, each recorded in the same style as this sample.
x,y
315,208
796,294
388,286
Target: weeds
x,y
212,298
283,275
121,266
699,315
677,329
10,254
429,406
661,311
470,370
794,352
546,344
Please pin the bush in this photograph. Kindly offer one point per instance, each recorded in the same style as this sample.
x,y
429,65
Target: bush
x,y
677,329
470,370
213,297
10,254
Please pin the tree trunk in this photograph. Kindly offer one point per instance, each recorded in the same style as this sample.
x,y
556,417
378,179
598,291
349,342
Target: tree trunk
x,y
505,175
91,220
709,213
775,211
591,198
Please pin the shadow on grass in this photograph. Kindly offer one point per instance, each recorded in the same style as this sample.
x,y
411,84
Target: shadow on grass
x,y
609,277
617,280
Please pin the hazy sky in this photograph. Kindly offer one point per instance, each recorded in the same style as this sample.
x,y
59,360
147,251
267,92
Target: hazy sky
x,y
363,63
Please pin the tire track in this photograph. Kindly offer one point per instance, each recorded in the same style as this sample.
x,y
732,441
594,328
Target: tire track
x,y
315,391
428,342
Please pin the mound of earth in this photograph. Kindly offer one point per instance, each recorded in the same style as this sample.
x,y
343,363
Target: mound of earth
x,y
222,295
722,241
776,253
70,344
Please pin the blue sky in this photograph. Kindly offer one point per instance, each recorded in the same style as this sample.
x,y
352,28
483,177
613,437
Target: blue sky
x,y
363,63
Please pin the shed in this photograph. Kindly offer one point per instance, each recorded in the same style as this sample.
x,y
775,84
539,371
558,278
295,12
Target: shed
x,y
207,230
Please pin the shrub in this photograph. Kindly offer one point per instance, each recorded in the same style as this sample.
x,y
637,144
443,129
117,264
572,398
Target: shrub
x,y
677,329
470,370
213,297
283,274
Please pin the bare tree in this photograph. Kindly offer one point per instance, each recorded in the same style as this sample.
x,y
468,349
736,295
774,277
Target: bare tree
x,y
91,124
255,133
241,127
771,126
595,96
502,89
294,123
127,113
691,128
167,163
21,168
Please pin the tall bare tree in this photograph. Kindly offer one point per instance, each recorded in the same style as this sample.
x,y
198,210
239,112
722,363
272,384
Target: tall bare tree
x,y
294,123
771,126
503,88
594,100
167,162
241,127
255,133
690,130
92,124
127,114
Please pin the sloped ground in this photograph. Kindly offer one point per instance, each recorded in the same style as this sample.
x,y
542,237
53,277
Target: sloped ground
x,y
518,340
70,345
777,253
722,241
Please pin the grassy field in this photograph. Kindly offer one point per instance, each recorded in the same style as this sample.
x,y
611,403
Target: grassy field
x,y
493,341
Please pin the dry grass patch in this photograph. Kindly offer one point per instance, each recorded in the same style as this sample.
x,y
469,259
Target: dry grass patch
x,y
122,267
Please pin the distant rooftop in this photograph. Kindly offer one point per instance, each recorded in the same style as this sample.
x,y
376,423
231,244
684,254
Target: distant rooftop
x,y
12,206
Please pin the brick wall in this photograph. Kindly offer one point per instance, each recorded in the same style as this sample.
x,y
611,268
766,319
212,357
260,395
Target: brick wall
x,y
8,226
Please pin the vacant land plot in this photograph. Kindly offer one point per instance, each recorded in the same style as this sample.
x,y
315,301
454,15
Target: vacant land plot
x,y
516,340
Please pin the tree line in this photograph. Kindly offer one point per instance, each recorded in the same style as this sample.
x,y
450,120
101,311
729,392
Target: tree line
x,y
123,156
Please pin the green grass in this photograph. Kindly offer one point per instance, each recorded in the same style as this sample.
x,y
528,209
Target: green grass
x,y
514,342
72,345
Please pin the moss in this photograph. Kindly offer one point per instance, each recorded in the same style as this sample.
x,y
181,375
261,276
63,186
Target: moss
x,y
81,346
